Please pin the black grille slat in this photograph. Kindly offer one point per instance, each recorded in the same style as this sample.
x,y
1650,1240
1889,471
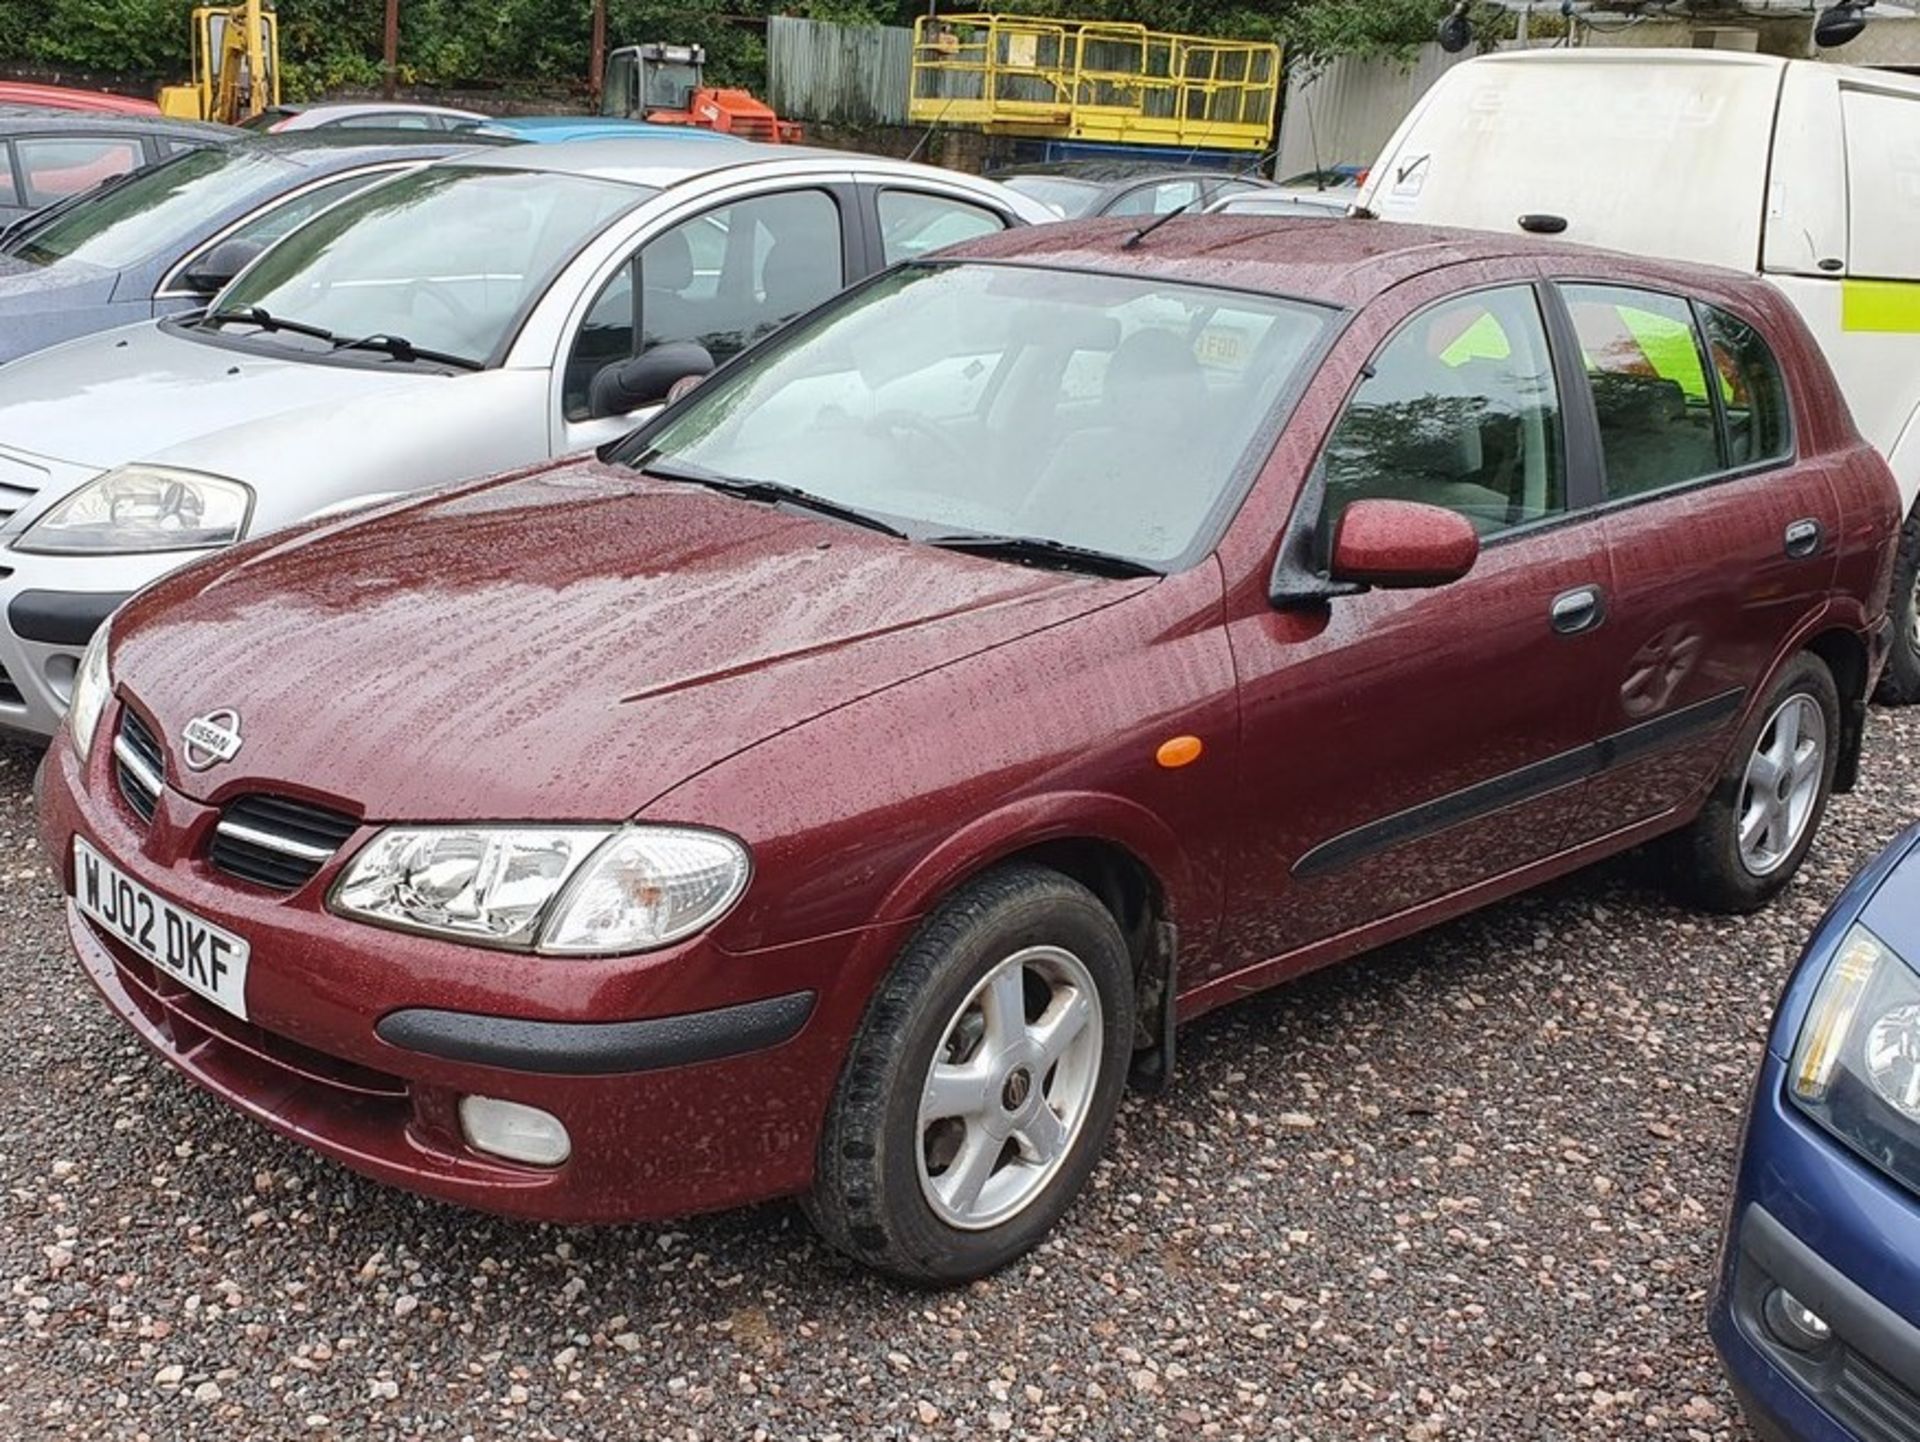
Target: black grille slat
x,y
1875,1404
140,740
298,822
10,690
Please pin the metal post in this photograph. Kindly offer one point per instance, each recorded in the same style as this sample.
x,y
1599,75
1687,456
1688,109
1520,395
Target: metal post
x,y
597,59
390,86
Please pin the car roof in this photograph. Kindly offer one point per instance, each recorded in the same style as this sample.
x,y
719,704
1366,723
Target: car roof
x,y
1103,172
661,162
24,119
341,148
1335,261
378,107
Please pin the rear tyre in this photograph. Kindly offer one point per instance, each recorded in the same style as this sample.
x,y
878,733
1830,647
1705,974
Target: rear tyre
x,y
979,1093
1900,681
1760,821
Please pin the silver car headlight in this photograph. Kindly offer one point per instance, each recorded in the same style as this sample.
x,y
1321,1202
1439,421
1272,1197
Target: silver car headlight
x,y
560,890
1856,1065
92,684
143,508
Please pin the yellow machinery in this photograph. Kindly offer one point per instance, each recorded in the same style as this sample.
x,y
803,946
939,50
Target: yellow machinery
x,y
236,65
1093,80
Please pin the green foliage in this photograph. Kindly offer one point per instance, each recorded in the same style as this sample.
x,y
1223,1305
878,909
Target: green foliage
x,y
332,44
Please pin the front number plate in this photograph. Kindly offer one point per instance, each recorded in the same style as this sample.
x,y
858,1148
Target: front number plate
x,y
195,953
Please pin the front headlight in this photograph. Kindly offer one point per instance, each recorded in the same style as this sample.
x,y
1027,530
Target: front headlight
x,y
92,684
563,890
142,508
1856,1065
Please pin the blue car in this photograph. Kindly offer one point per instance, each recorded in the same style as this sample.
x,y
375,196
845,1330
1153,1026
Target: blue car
x,y
563,129
1816,1309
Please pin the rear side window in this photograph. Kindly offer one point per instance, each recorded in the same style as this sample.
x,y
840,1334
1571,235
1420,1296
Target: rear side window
x,y
53,169
913,223
1460,411
1650,395
1753,395
1156,199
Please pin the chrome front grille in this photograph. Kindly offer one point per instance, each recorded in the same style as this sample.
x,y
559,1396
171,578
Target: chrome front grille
x,y
277,842
139,766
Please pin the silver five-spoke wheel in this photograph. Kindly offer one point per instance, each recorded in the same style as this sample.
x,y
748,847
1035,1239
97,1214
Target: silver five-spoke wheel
x,y
1009,1088
1782,784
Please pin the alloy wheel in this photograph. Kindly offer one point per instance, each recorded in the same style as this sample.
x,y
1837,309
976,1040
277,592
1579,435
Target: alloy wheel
x,y
1782,784
1009,1088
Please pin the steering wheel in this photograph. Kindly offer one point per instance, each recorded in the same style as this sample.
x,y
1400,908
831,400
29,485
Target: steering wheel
x,y
443,295
907,423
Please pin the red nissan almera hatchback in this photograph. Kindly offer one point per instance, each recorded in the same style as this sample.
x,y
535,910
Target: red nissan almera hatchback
x,y
841,786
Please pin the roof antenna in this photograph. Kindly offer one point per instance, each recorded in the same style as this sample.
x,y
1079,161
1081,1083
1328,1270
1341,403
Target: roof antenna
x,y
1132,242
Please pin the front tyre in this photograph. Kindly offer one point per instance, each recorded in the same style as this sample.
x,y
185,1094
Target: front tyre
x,y
1759,823
1900,681
980,1090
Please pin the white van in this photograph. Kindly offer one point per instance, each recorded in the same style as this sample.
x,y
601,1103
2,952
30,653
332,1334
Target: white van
x,y
1804,172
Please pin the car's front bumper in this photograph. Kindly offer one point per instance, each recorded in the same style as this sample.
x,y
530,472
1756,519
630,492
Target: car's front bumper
x,y
50,606
688,1079
1810,1218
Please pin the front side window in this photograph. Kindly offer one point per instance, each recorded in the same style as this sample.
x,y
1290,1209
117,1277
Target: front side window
x,y
52,169
1460,410
722,279
1753,393
448,258
1103,412
1650,395
912,224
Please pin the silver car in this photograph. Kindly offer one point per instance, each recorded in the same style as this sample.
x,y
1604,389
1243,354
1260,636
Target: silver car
x,y
473,316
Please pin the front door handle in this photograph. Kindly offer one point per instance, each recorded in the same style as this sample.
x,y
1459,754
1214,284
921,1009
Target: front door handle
x,y
1803,538
1580,609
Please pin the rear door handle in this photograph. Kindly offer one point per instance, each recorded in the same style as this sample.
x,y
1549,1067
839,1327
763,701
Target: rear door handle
x,y
1803,538
1580,609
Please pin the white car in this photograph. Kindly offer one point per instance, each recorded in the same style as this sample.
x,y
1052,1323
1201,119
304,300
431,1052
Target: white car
x,y
465,318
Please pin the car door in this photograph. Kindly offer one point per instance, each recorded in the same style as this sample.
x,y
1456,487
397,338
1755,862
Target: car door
x,y
722,276
1403,745
1717,547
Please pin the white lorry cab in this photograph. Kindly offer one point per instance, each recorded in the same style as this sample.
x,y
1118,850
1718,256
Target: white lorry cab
x,y
1804,172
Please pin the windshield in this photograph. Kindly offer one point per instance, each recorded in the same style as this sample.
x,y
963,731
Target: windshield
x,y
157,212
1072,198
448,258
1096,411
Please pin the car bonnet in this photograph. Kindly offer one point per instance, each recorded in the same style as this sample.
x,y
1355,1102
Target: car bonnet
x,y
565,645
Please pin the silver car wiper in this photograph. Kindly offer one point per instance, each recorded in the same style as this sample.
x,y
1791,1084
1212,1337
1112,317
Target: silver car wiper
x,y
402,349
254,315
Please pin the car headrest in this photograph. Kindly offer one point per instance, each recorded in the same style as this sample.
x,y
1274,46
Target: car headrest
x,y
667,263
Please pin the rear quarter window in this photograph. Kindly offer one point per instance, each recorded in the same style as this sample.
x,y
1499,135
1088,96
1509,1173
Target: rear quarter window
x,y
1752,389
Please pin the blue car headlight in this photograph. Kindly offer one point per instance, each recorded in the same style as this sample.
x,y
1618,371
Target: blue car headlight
x,y
1856,1065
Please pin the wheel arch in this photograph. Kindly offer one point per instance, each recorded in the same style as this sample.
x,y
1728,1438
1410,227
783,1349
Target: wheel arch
x,y
1126,856
1845,655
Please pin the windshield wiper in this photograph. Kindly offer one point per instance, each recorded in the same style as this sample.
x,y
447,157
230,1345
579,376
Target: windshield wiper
x,y
773,492
254,315
1043,551
402,349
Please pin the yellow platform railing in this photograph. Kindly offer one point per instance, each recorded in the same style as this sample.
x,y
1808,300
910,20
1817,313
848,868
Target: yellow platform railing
x,y
1093,80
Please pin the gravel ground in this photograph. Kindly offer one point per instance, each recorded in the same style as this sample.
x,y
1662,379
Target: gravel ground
x,y
1469,1187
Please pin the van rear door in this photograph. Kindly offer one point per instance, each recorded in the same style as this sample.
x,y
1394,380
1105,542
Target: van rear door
x,y
1660,153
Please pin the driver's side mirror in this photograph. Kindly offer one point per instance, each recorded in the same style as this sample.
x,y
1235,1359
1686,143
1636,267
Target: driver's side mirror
x,y
648,379
1402,544
209,274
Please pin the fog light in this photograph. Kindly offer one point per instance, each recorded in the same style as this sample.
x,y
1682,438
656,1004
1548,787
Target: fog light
x,y
1794,1324
518,1133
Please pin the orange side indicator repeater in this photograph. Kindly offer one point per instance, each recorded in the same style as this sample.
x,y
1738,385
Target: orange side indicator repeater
x,y
1179,751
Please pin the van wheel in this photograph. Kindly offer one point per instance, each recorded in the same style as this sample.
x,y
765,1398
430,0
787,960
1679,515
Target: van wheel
x,y
979,1092
1759,823
1900,681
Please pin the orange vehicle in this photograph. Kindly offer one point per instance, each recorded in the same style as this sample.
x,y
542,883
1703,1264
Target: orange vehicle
x,y
666,84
